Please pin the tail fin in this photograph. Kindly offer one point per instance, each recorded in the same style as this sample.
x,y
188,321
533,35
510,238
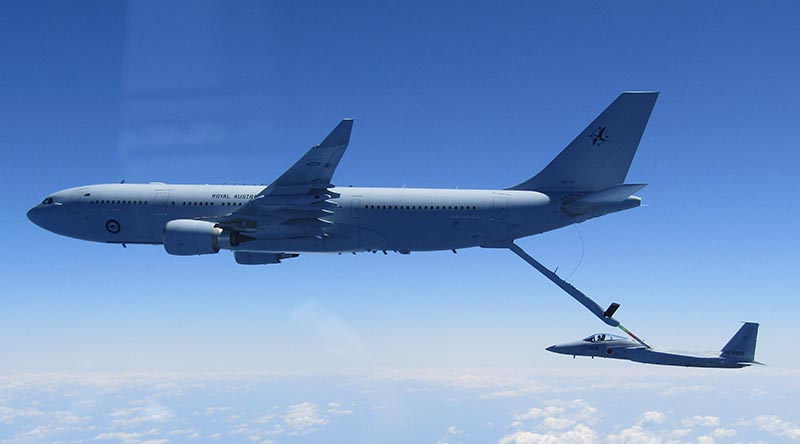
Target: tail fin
x,y
742,346
601,155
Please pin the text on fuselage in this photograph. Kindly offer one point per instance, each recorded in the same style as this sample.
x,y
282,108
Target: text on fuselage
x,y
235,196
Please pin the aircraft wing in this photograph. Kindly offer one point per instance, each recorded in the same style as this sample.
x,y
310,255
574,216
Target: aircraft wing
x,y
295,204
315,169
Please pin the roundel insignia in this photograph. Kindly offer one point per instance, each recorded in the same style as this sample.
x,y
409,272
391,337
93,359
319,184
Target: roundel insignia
x,y
112,226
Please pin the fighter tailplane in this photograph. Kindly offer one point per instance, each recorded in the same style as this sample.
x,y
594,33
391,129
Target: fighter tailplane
x,y
742,346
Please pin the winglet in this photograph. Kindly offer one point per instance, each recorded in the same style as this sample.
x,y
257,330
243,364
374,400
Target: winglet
x,y
340,135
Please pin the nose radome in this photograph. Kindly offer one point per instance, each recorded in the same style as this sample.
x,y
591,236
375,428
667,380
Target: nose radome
x,y
551,348
33,215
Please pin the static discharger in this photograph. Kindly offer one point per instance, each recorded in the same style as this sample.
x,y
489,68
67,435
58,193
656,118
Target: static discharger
x,y
606,315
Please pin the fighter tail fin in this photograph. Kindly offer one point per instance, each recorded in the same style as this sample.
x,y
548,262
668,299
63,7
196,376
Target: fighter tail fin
x,y
742,346
601,155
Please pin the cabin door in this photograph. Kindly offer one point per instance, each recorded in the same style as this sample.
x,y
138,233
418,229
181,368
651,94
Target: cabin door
x,y
500,209
161,199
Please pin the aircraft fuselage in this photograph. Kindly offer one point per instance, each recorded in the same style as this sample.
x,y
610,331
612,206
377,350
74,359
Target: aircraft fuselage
x,y
364,219
303,212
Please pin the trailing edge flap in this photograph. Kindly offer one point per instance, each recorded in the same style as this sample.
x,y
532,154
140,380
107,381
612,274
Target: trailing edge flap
x,y
599,198
301,192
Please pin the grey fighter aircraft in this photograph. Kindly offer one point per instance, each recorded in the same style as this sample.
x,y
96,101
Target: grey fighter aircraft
x,y
737,353
303,212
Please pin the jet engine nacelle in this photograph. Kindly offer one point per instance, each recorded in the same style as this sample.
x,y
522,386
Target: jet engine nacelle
x,y
188,237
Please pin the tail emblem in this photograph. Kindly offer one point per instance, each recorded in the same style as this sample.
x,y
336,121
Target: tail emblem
x,y
599,137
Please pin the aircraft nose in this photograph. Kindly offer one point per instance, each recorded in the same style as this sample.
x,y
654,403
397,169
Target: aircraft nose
x,y
34,215
552,348
41,216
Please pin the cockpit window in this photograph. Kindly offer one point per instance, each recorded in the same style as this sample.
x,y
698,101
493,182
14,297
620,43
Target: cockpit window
x,y
599,337
47,201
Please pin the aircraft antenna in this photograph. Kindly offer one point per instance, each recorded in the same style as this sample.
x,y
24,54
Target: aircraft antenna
x,y
583,251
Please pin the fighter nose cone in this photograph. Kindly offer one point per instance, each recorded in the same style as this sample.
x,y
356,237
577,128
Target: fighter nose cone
x,y
552,348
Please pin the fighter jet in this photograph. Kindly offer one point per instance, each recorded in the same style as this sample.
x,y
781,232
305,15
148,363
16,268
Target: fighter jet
x,y
303,212
737,353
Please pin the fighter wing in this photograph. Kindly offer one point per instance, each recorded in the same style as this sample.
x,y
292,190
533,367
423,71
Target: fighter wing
x,y
295,204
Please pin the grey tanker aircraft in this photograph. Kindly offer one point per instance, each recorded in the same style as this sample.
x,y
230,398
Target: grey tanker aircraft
x,y
303,212
737,353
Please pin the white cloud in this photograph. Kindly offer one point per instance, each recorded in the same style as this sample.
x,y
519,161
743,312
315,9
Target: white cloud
x,y
37,425
775,425
450,435
716,435
678,434
654,417
556,422
121,437
303,418
580,434
142,412
634,435
215,410
576,410
9,414
722,433
552,423
335,408
701,421
33,411
684,390
264,419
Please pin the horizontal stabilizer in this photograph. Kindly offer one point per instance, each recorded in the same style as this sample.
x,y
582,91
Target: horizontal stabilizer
x,y
608,196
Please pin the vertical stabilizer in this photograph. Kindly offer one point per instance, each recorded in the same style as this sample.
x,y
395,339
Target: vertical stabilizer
x,y
742,346
601,155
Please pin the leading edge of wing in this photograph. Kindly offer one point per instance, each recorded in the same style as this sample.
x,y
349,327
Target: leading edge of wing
x,y
315,169
299,195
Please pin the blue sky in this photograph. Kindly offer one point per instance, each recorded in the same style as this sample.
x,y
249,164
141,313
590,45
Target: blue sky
x,y
470,95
